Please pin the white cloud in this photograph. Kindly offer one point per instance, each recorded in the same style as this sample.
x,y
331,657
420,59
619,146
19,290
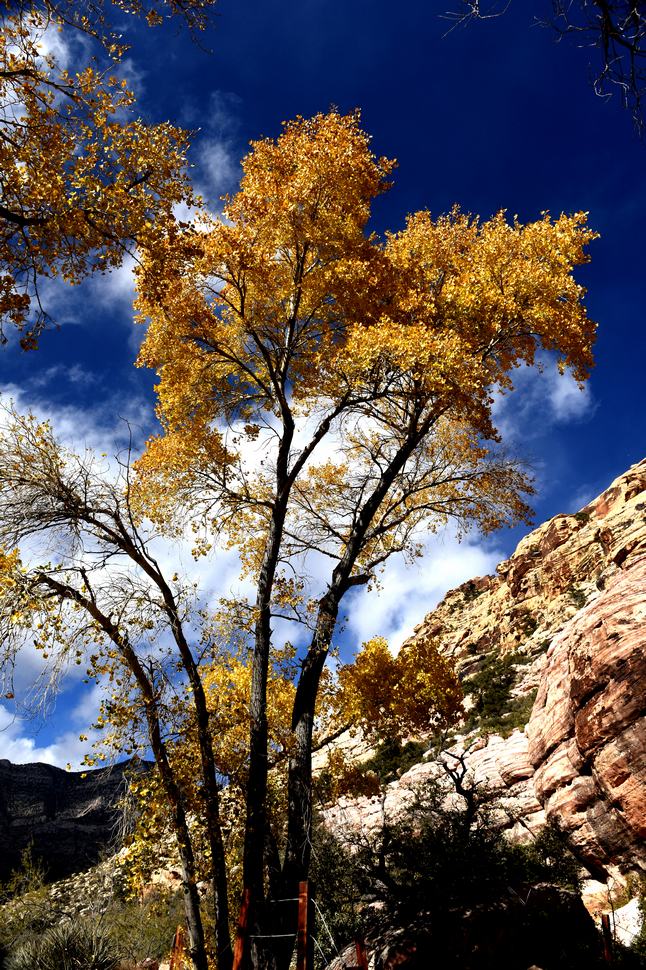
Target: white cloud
x,y
133,74
53,41
113,291
407,594
540,401
20,746
218,169
215,155
582,497
99,427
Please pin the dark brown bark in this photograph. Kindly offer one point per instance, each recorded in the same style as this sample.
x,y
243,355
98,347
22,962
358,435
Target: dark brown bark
x,y
299,826
121,537
197,943
210,789
256,821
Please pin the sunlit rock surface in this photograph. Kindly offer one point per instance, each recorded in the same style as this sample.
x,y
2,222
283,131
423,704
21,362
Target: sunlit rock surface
x,y
587,733
572,601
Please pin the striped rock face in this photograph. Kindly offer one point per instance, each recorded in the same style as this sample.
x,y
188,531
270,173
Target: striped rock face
x,y
571,603
587,733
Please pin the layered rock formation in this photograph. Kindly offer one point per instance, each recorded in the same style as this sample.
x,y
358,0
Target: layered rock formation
x,y
69,817
570,606
587,733
552,574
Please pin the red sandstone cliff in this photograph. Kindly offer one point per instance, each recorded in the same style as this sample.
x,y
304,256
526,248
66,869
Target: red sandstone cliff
x,y
572,600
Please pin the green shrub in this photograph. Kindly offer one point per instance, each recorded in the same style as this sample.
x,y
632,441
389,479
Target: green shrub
x,y
637,886
146,929
491,687
75,945
495,709
25,907
547,858
332,872
29,912
577,597
516,715
441,855
528,623
392,759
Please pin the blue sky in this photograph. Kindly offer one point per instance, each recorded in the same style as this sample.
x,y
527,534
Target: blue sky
x,y
493,116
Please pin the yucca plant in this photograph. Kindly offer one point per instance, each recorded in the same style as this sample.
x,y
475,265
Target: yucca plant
x,y
75,945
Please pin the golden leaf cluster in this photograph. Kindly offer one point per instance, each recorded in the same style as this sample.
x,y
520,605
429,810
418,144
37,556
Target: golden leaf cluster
x,y
414,693
83,180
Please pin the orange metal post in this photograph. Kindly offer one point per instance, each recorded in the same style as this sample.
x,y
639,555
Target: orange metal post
x,y
241,933
178,949
305,940
362,959
301,942
607,937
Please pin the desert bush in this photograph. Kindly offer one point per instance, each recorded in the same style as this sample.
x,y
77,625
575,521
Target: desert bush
x,y
448,850
494,708
73,945
637,887
332,872
392,758
547,858
31,919
25,908
146,928
577,596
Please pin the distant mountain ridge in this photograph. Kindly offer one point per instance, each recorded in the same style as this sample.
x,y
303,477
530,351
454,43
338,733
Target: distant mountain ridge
x,y
68,818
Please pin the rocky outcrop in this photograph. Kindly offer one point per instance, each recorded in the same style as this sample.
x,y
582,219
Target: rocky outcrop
x,y
587,733
69,817
554,571
570,606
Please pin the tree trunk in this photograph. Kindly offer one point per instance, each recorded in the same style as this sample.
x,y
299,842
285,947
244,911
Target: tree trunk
x,y
197,947
257,954
197,943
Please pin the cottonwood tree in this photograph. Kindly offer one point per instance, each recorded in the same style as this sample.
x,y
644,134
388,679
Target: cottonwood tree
x,y
106,602
615,28
82,183
177,676
385,696
326,398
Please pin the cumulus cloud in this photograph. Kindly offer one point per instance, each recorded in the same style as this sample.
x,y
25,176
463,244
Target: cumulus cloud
x,y
100,427
21,744
541,401
78,305
408,593
55,42
216,155
22,748
583,496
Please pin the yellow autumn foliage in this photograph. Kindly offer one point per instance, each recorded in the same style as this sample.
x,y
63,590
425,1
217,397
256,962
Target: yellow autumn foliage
x,y
413,693
83,180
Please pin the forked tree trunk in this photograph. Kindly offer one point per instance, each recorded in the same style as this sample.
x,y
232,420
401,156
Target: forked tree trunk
x,y
299,831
